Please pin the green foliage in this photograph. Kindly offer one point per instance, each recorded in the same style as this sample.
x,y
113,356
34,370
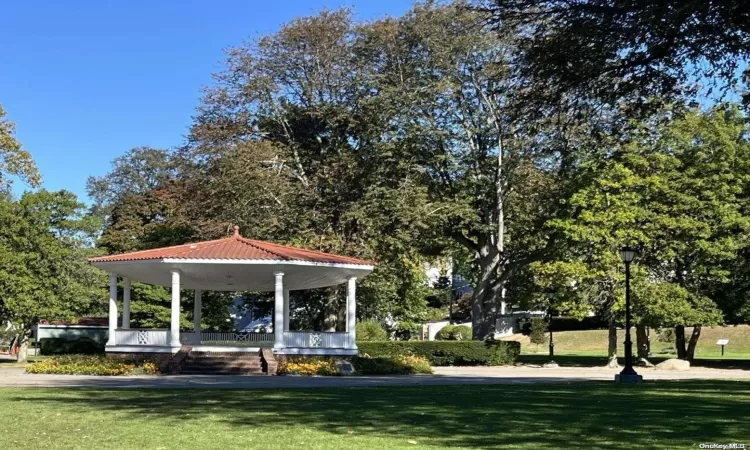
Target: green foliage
x,y
677,189
391,365
91,365
447,353
371,331
454,333
45,240
602,51
538,330
14,160
62,346
407,331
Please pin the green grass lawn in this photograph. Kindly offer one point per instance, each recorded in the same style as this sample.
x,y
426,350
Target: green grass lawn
x,y
594,343
593,415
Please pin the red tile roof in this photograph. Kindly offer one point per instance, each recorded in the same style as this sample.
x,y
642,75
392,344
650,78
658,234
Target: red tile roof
x,y
234,247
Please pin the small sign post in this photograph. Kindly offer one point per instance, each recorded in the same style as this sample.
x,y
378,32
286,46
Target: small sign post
x,y
722,342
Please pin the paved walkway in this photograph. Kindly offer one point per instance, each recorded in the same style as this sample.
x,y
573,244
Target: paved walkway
x,y
15,377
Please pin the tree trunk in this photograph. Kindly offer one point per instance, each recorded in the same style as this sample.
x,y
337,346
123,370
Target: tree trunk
x,y
331,312
612,348
692,343
23,353
641,343
482,297
679,336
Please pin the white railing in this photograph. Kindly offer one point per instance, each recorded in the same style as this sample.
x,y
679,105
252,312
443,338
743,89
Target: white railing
x,y
217,338
139,336
189,338
314,339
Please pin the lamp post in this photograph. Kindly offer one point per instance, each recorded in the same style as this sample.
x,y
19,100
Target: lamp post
x,y
628,374
550,297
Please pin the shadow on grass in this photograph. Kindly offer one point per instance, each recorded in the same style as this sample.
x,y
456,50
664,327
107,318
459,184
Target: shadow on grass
x,y
601,361
593,414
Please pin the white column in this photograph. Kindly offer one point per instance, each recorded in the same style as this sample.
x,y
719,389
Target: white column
x,y
174,329
126,302
112,309
351,311
197,315
278,311
286,309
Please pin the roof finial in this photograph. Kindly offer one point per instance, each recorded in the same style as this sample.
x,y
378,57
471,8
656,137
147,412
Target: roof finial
x,y
236,231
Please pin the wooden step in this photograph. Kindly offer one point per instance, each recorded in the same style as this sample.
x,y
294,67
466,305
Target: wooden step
x,y
235,363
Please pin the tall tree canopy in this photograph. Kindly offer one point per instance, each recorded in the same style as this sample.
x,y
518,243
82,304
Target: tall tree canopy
x,y
14,160
45,239
678,191
652,49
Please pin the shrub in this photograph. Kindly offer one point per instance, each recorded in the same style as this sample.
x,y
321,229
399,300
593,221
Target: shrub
x,y
391,365
406,331
538,329
371,331
62,346
308,367
90,365
454,333
448,353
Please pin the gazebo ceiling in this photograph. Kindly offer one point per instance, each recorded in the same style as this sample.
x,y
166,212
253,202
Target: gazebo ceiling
x,y
235,264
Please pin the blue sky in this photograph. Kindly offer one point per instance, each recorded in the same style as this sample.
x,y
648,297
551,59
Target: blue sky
x,y
85,81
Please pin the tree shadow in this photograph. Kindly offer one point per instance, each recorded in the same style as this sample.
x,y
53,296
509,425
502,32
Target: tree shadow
x,y
601,361
593,414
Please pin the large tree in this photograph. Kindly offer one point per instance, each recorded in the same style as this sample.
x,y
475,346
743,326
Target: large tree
x,y
496,168
14,160
291,145
677,190
655,49
45,239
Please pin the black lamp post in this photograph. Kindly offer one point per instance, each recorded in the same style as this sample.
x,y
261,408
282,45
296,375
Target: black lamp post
x,y
550,297
628,374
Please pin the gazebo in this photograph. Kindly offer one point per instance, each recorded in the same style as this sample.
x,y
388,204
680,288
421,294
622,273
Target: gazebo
x,y
231,264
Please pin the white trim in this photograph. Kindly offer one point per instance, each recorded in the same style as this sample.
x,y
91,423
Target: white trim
x,y
102,327
257,262
316,351
141,349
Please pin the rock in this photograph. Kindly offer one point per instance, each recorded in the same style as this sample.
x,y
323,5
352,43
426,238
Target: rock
x,y
643,362
674,364
345,367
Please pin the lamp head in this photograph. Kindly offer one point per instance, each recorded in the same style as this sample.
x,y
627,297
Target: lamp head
x,y
627,254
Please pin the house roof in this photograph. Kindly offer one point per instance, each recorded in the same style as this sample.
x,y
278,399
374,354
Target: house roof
x,y
234,247
81,321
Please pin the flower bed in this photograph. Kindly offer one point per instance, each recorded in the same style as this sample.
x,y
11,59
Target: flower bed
x,y
308,367
91,365
395,365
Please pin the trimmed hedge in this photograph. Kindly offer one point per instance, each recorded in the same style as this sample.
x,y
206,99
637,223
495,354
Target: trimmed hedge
x,y
62,346
448,353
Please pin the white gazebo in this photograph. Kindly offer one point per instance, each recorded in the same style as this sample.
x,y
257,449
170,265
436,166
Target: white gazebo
x,y
231,264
